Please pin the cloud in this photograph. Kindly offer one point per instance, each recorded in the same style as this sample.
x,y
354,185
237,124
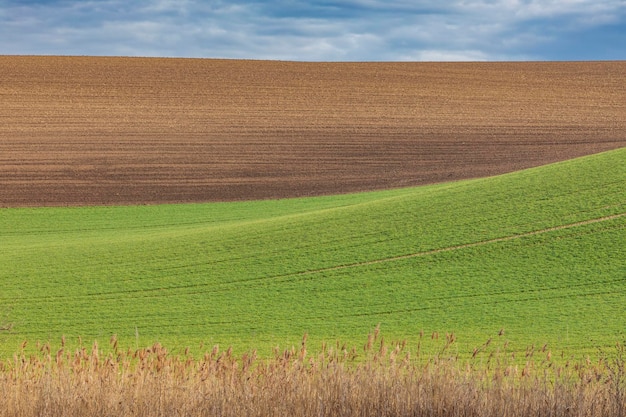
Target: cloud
x,y
441,55
357,30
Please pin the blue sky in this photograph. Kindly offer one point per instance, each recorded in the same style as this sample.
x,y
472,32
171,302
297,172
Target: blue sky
x,y
319,30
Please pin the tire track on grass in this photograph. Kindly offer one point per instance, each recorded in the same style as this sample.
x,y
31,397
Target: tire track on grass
x,y
463,246
153,292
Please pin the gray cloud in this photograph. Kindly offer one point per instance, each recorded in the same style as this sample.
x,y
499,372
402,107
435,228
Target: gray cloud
x,y
319,30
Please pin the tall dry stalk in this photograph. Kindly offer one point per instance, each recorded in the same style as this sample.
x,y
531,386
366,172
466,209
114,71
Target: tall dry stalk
x,y
382,380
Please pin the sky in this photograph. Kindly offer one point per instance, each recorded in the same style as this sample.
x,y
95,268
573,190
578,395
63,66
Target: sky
x,y
319,30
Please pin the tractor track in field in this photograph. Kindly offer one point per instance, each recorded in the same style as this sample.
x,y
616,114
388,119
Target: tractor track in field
x,y
463,246
154,292
78,131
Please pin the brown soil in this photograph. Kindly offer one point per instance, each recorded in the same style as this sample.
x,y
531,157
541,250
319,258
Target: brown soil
x,y
96,130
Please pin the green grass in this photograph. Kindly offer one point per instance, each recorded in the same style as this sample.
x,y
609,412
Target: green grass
x,y
512,252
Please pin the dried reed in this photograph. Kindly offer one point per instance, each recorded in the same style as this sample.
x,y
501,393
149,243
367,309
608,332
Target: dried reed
x,y
381,380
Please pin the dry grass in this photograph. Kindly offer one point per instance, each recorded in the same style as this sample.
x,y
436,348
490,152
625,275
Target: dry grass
x,y
381,381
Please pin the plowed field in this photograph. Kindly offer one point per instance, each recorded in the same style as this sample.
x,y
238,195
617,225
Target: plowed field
x,y
98,130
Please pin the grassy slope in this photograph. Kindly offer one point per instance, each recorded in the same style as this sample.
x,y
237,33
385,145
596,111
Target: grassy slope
x,y
260,274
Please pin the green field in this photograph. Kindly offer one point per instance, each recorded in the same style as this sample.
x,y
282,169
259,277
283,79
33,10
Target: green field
x,y
540,253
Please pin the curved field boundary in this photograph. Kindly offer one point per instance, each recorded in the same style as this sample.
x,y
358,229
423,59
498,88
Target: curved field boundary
x,y
107,131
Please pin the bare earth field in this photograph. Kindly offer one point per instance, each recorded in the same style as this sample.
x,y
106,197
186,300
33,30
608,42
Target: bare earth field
x,y
99,130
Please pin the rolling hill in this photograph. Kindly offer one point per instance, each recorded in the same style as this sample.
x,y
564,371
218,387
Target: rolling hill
x,y
538,254
109,130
